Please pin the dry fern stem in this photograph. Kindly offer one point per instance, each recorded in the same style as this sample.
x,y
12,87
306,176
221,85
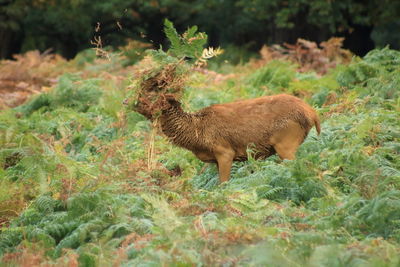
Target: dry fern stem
x,y
154,89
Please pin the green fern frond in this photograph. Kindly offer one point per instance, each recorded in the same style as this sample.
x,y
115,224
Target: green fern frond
x,y
188,45
172,35
9,239
38,234
60,230
81,235
46,204
142,225
268,192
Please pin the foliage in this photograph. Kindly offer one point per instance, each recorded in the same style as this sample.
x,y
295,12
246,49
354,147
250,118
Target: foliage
x,y
167,77
187,45
84,180
68,93
376,74
275,76
239,22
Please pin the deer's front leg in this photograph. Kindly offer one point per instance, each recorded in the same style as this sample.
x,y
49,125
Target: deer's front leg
x,y
224,156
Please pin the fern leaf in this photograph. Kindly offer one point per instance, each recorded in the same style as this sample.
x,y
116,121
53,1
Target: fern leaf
x,y
38,234
188,45
172,36
59,231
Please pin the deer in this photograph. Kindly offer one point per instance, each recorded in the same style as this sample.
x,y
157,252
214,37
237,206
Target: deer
x,y
223,133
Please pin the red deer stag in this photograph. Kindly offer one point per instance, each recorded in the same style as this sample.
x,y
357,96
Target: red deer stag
x,y
222,133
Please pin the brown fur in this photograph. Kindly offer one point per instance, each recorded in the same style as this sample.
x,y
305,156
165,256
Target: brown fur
x,y
222,133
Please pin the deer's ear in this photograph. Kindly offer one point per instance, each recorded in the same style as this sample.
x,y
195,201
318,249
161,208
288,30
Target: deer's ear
x,y
172,101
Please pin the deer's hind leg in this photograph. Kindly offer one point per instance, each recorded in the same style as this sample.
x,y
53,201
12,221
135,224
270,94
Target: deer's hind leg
x,y
287,141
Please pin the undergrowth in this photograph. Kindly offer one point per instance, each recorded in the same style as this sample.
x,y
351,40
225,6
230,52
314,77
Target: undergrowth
x,y
84,179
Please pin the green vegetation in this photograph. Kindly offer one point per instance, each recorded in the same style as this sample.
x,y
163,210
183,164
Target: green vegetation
x,y
69,26
84,179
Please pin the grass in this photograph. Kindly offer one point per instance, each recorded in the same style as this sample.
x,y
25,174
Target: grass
x,y
85,180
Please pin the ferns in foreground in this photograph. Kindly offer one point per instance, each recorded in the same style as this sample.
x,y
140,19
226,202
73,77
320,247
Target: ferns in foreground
x,y
86,217
336,204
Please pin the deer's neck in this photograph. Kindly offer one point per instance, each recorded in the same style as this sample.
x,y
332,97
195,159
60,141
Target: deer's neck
x,y
182,128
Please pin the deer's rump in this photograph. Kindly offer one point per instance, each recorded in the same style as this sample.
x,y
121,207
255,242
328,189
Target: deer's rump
x,y
252,123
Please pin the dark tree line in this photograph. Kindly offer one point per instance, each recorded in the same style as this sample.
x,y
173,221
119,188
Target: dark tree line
x,y
68,26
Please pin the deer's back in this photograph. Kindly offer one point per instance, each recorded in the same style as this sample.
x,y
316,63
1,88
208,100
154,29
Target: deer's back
x,y
254,121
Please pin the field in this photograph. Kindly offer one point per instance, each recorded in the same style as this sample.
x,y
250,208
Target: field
x,y
85,180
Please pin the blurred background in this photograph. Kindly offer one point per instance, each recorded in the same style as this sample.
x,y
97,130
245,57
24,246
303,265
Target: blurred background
x,y
69,26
